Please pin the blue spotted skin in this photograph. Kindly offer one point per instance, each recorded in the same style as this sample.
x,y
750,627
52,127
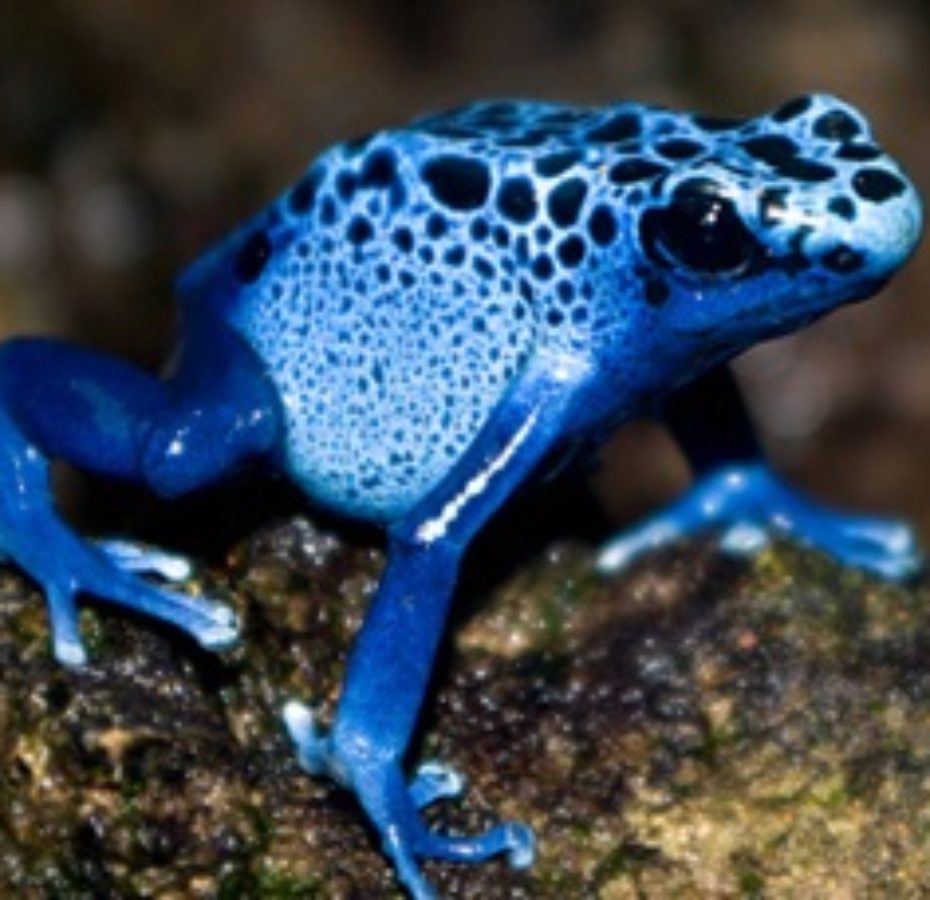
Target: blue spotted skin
x,y
425,318
480,238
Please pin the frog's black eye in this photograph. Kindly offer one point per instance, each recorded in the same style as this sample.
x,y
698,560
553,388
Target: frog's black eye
x,y
252,257
699,230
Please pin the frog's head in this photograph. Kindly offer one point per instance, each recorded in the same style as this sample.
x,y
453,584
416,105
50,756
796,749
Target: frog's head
x,y
782,219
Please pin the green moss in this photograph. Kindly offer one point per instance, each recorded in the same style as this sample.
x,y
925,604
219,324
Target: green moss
x,y
751,885
271,885
625,860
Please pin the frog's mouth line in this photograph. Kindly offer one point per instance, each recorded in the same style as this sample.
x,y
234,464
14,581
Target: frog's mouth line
x,y
773,314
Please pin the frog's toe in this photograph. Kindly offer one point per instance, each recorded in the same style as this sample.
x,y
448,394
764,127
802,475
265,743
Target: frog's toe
x,y
67,644
142,559
883,547
408,840
513,839
394,805
747,505
732,496
886,535
744,539
435,781
212,625
621,550
890,568
313,747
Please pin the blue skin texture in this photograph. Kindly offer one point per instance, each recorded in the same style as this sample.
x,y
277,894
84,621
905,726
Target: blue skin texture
x,y
429,315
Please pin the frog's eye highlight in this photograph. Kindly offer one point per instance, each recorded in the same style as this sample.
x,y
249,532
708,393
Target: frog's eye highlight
x,y
699,230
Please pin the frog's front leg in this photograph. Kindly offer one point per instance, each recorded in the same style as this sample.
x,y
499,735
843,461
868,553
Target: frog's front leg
x,y
737,494
387,677
390,665
58,401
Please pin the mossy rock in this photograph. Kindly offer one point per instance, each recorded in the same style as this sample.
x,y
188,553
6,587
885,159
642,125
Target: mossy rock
x,y
699,727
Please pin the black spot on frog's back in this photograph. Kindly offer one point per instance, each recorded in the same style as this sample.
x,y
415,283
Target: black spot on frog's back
x,y
602,226
436,226
458,182
303,194
656,291
571,251
679,148
792,109
565,201
635,168
620,127
715,124
403,239
774,149
346,184
516,199
359,230
379,169
555,164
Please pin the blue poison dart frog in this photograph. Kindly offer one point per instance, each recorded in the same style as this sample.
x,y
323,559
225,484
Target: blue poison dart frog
x,y
426,318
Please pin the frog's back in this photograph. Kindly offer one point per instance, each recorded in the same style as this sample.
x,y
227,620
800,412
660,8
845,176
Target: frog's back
x,y
399,287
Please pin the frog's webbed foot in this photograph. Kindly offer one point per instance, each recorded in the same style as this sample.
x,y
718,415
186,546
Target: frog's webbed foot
x,y
393,804
77,568
747,504
65,566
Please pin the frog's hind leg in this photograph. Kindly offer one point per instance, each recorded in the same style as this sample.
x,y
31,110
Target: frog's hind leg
x,y
389,668
98,413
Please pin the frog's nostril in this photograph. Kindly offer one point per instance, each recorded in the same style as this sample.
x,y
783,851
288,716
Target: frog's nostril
x,y
843,259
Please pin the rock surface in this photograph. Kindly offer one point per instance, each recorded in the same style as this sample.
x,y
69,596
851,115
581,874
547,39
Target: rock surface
x,y
699,727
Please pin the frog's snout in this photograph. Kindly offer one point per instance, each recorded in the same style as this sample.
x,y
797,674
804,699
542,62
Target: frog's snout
x,y
886,220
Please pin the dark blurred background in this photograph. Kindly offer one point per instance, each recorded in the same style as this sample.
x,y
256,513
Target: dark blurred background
x,y
133,134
